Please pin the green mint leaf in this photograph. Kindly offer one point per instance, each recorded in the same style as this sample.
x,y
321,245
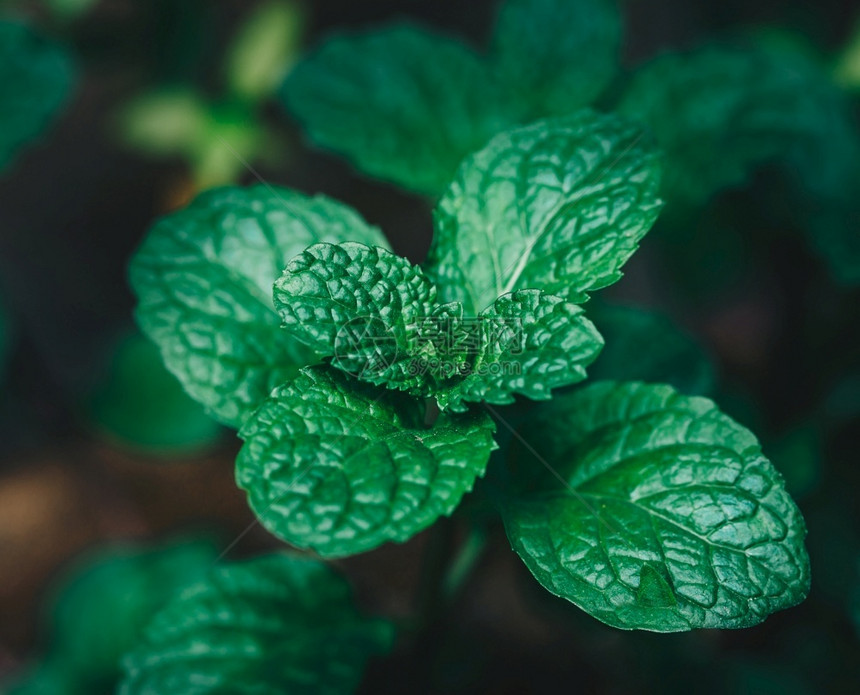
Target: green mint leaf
x,y
558,206
642,345
341,467
672,518
36,78
532,343
102,609
361,305
204,276
376,315
557,55
402,103
276,623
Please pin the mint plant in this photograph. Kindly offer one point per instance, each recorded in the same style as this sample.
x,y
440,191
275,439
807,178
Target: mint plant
x,y
371,394
407,104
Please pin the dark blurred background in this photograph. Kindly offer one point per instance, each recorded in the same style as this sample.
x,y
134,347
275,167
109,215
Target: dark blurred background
x,y
785,339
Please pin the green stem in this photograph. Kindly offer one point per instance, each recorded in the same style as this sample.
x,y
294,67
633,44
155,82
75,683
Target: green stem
x,y
460,569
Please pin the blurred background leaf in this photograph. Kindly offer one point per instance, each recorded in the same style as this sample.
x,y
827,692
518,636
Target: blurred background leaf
x,y
142,406
36,78
265,49
101,608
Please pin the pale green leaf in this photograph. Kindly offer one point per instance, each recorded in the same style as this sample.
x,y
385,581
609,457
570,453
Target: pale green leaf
x,y
341,467
557,55
402,103
265,48
204,276
557,206
274,624
165,122
670,517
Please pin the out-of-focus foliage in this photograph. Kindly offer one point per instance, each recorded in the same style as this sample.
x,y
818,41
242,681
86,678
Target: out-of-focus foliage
x,y
69,9
143,406
101,609
168,122
217,140
274,624
220,137
407,104
798,457
721,111
402,103
646,346
265,49
36,78
847,69
556,56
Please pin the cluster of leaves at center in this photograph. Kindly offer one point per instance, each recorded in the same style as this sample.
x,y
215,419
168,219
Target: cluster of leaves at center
x,y
532,223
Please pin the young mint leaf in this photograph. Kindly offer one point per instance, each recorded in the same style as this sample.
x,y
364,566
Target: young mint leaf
x,y
558,206
360,304
376,315
645,346
36,78
402,103
274,624
102,608
341,467
532,343
671,518
203,278
557,55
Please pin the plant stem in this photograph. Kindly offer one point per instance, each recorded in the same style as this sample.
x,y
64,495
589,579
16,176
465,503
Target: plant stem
x,y
464,562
